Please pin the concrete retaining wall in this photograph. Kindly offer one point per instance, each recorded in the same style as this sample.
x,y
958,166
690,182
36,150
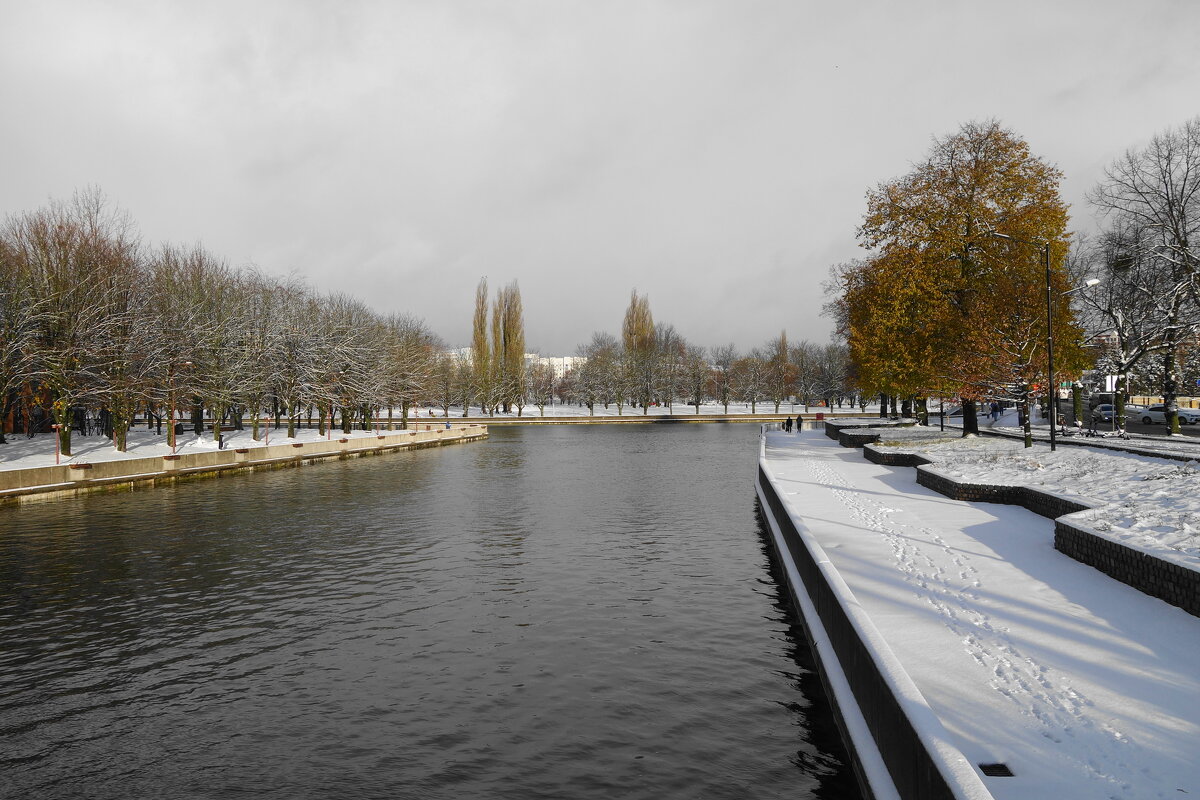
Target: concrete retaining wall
x,y
859,432
889,458
79,478
917,771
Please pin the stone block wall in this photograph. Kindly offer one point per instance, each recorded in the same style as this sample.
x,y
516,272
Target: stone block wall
x,y
912,767
889,458
1176,584
1173,583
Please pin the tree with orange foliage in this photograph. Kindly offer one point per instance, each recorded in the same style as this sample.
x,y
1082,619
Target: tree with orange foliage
x,y
944,302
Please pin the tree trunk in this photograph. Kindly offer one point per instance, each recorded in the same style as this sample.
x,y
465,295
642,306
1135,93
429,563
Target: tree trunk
x,y
922,404
1170,389
1026,421
883,406
61,415
1119,402
970,418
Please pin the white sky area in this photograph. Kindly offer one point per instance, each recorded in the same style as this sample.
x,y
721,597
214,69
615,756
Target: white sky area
x,y
712,155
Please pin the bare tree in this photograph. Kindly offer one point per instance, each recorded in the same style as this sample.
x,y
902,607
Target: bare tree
x,y
749,378
696,375
76,255
1152,197
780,379
723,359
21,320
541,385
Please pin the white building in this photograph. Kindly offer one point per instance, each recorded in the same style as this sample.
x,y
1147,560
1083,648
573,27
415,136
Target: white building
x,y
559,364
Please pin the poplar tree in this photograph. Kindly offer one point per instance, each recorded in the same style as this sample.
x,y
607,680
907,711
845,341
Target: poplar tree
x,y
480,350
639,337
512,345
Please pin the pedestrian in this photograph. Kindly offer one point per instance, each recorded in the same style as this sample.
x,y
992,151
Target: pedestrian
x,y
995,411
787,425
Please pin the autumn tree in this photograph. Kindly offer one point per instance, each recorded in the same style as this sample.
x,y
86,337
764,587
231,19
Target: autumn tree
x,y
951,292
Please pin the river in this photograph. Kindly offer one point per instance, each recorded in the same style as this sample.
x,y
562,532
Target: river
x,y
566,611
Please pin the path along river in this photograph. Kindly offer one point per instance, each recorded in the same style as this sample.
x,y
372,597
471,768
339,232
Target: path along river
x,y
557,612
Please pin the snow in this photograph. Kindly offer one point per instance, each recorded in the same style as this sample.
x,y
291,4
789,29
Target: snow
x,y
1152,504
21,452
678,410
1083,686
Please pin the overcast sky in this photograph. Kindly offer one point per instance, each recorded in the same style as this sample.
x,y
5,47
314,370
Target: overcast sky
x,y
712,155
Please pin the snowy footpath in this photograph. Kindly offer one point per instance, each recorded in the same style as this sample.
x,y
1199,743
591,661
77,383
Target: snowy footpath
x,y
1081,685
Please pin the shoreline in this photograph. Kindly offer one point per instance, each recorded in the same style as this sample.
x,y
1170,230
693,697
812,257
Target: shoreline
x,y
128,474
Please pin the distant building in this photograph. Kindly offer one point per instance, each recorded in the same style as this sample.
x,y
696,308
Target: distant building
x,y
559,364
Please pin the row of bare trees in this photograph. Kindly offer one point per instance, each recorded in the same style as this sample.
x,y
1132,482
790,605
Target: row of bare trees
x,y
91,320
653,364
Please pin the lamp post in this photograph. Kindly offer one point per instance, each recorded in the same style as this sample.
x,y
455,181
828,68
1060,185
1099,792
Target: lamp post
x,y
1052,389
171,399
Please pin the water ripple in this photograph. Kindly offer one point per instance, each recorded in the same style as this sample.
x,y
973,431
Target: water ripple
x,y
560,612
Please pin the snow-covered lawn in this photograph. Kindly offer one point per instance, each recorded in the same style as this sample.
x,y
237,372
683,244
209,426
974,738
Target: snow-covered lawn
x,y
679,409
1141,501
21,452
1082,686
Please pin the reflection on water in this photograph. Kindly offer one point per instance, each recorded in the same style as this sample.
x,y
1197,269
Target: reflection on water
x,y
570,611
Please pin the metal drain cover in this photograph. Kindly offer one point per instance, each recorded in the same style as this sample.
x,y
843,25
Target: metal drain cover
x,y
996,770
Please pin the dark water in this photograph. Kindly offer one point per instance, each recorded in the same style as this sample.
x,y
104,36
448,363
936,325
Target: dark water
x,y
561,612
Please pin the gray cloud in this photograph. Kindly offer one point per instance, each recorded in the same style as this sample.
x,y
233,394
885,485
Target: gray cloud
x,y
714,155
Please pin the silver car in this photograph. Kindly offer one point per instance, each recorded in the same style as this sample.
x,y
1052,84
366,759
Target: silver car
x,y
1157,414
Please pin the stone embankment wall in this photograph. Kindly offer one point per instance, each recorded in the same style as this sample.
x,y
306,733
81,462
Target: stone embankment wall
x,y
911,765
80,478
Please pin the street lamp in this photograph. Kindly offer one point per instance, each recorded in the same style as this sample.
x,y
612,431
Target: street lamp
x,y
171,398
1052,389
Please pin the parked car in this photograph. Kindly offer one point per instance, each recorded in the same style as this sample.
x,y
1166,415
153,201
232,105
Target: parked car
x,y
1157,414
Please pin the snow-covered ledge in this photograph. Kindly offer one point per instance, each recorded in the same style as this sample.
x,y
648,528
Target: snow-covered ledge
x,y
900,747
